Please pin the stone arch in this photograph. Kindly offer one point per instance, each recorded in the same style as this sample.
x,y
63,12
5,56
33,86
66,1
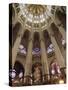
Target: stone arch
x,y
36,42
48,44
46,38
36,51
19,68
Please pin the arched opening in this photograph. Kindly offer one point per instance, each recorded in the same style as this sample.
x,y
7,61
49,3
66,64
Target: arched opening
x,y
18,68
48,44
25,39
36,44
24,43
17,74
21,56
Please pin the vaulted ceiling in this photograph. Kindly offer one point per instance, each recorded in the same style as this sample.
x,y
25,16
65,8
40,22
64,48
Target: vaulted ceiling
x,y
35,15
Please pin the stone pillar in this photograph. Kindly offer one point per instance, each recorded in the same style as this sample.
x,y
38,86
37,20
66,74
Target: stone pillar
x,y
45,68
28,64
16,47
58,54
60,28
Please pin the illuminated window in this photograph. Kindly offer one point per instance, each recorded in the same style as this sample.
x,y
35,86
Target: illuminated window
x,y
36,51
50,48
12,73
22,49
63,42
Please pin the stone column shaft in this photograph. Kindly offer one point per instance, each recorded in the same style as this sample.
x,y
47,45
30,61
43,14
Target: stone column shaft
x,y
16,48
58,54
28,64
60,28
45,67
17,43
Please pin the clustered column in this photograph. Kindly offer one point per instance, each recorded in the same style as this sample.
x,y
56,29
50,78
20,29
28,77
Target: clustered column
x,y
16,47
60,28
17,43
45,67
58,54
28,64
